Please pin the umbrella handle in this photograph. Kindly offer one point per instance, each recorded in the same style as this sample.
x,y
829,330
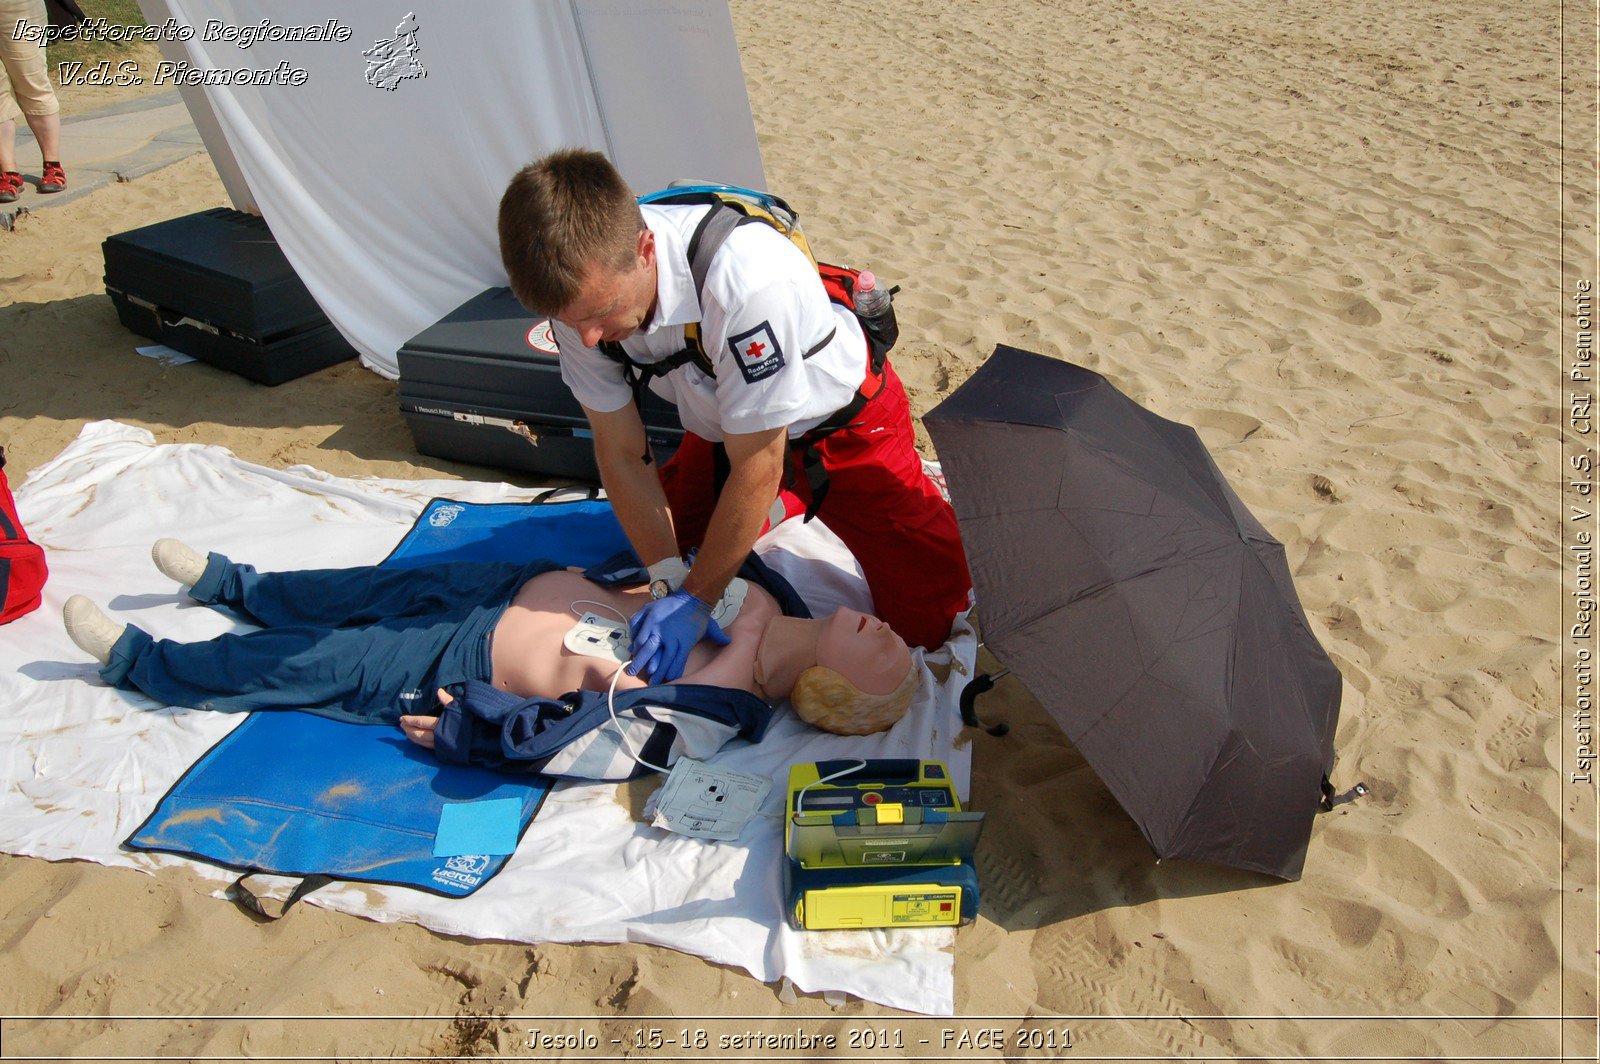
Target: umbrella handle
x,y
969,695
1331,797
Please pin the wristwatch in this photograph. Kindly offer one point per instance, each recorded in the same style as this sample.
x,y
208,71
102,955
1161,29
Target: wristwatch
x,y
660,589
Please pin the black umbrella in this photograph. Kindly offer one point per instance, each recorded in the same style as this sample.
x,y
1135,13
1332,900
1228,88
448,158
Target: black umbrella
x,y
1126,585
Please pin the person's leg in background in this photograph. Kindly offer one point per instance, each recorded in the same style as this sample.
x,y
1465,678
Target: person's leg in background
x,y
10,177
29,93
47,131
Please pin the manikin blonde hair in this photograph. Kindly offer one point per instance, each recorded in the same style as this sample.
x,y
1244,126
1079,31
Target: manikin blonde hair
x,y
825,699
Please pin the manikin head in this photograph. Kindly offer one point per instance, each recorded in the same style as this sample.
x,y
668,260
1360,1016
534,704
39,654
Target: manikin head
x,y
576,248
848,673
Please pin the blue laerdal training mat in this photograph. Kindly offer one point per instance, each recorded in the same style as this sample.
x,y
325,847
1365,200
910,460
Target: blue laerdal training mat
x,y
583,532
300,795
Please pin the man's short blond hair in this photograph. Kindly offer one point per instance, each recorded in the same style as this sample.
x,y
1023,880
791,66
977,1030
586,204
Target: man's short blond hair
x,y
827,700
560,216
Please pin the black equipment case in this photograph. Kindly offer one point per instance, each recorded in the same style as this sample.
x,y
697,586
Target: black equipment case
x,y
216,285
483,385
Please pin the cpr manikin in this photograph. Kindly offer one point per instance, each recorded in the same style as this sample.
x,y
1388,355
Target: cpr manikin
x,y
377,644
848,673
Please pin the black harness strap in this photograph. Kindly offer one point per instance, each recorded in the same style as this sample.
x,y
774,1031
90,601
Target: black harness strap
x,y
638,375
805,444
709,235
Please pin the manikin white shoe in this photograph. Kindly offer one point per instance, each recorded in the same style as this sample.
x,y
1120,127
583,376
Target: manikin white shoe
x,y
93,631
179,561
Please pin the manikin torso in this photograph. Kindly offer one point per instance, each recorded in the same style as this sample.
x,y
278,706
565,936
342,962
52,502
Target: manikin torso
x,y
530,660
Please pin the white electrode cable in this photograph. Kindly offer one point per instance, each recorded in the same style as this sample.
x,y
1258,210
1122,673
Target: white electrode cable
x,y
800,799
573,608
611,692
622,736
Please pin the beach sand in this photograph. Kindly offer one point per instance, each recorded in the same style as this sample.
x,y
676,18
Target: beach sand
x,y
1329,237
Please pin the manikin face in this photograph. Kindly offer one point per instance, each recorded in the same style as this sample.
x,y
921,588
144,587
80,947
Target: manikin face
x,y
864,650
614,305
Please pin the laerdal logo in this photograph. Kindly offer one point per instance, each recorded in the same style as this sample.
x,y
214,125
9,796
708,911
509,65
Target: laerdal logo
x,y
392,61
470,863
463,871
444,515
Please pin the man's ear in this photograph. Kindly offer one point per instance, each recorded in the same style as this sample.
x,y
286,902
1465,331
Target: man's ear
x,y
647,247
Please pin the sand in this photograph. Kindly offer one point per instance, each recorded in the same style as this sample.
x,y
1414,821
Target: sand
x,y
1329,238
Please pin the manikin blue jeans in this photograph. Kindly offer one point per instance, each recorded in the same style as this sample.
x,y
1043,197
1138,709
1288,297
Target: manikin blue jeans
x,y
364,644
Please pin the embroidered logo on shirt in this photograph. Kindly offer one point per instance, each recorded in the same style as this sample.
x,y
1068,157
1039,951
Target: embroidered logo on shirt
x,y
757,353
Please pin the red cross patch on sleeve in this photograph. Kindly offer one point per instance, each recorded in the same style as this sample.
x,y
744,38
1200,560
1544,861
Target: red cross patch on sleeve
x,y
757,353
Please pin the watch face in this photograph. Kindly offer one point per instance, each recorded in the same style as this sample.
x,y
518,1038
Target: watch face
x,y
660,589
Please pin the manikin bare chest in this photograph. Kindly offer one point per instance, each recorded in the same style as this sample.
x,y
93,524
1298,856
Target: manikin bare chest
x,y
530,660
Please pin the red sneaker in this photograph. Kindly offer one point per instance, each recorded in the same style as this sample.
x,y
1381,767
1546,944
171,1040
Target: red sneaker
x,y
10,186
54,179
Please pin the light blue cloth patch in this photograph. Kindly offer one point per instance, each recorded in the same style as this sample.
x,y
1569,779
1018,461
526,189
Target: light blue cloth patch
x,y
490,828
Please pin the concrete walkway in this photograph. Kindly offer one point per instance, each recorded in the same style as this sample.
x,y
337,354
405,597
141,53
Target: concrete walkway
x,y
117,142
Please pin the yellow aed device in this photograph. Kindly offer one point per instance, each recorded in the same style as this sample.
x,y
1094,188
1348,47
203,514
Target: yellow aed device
x,y
878,843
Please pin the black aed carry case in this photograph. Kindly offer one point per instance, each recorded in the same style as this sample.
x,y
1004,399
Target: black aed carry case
x,y
483,385
215,285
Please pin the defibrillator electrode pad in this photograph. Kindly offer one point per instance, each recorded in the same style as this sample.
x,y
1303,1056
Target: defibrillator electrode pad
x,y
608,638
703,802
727,610
598,637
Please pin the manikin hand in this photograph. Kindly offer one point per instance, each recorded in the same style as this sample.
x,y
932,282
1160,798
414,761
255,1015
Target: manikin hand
x,y
666,630
420,729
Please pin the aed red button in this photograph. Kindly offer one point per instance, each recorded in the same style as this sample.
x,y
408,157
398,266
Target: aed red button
x,y
872,798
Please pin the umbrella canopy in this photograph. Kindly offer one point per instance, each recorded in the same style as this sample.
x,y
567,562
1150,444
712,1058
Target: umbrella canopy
x,y
1123,581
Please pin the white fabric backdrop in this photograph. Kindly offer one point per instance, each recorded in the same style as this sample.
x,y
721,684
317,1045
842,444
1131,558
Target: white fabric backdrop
x,y
384,200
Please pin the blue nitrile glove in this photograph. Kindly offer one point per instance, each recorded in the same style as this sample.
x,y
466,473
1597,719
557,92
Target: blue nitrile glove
x,y
666,630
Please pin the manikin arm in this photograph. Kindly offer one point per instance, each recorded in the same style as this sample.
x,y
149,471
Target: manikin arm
x,y
420,729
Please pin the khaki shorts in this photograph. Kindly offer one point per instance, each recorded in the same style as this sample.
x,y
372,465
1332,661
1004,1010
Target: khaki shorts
x,y
24,75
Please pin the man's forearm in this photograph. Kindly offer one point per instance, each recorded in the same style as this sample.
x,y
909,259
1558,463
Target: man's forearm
x,y
632,485
634,490
741,511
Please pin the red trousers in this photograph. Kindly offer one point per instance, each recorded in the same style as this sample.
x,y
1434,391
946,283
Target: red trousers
x,y
879,503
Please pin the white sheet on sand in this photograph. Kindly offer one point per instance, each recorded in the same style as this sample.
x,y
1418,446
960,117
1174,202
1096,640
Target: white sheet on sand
x,y
82,765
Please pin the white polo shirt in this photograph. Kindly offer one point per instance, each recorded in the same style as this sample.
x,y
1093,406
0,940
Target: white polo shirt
x,y
762,308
